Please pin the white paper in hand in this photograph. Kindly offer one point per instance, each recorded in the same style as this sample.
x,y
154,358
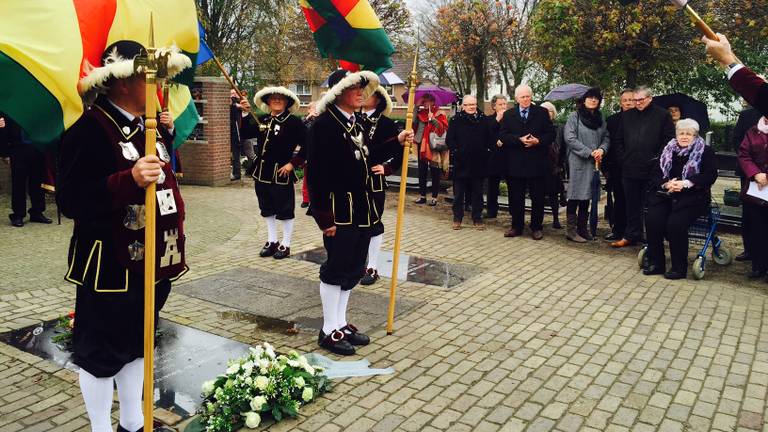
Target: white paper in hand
x,y
755,191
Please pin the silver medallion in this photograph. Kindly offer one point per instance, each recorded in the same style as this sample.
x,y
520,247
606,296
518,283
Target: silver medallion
x,y
129,151
166,202
136,251
135,217
162,152
358,139
126,130
161,178
357,155
172,254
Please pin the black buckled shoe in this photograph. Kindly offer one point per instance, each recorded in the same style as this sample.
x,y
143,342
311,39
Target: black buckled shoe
x,y
39,218
282,252
674,275
370,277
421,200
336,342
653,270
354,336
16,221
611,236
269,249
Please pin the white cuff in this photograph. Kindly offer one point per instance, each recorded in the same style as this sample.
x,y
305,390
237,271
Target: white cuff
x,y
734,69
687,184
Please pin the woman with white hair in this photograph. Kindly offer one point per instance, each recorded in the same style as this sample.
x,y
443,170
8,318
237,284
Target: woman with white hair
x,y
680,192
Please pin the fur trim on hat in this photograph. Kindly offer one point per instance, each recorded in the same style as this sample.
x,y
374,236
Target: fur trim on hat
x,y
387,101
260,98
120,67
351,79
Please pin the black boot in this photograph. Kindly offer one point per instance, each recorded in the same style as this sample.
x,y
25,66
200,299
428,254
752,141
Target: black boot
x,y
555,213
582,226
269,249
354,337
336,343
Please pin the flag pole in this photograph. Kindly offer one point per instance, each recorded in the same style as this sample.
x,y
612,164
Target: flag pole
x,y
401,198
697,20
233,85
150,126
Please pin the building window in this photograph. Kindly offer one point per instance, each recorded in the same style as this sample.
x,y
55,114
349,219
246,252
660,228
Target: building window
x,y
301,89
390,90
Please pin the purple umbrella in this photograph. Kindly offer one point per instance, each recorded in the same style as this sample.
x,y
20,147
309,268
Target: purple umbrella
x,y
567,91
443,95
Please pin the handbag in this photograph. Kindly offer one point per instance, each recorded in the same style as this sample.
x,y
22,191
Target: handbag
x,y
437,142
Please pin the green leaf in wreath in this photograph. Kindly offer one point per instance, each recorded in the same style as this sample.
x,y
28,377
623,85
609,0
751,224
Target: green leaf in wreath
x,y
277,414
196,425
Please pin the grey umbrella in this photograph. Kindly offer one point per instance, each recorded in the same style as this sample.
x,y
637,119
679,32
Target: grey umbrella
x,y
567,91
595,199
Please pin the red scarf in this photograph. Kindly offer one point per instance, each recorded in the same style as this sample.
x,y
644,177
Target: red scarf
x,y
425,152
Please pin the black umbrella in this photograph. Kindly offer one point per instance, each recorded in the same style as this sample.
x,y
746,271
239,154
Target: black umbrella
x,y
689,108
595,199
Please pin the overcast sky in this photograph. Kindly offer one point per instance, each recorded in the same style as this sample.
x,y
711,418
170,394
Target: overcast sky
x,y
416,5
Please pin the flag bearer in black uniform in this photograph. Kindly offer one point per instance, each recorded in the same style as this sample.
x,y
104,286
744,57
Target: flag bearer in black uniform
x,y
386,153
101,186
340,202
277,134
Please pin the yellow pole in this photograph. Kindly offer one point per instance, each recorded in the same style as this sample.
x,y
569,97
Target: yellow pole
x,y
150,126
401,199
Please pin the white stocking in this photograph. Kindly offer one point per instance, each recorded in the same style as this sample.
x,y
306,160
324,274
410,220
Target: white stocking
x,y
271,229
329,295
374,247
287,232
341,315
130,381
97,394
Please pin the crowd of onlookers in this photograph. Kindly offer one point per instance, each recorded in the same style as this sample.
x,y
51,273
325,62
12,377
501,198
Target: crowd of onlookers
x,y
653,163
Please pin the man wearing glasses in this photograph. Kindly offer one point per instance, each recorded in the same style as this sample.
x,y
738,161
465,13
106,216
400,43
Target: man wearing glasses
x,y
643,133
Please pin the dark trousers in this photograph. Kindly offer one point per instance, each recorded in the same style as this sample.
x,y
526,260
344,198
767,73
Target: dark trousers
x,y
493,196
276,199
757,234
618,214
746,226
460,187
635,192
347,254
425,170
27,173
517,187
664,222
235,146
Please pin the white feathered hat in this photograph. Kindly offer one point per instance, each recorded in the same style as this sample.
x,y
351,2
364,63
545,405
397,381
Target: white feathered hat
x,y
342,79
385,102
117,62
262,96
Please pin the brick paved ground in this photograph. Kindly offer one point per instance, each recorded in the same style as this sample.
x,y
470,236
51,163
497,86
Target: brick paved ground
x,y
550,336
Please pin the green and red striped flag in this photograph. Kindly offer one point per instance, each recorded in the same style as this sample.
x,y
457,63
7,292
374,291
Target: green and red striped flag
x,y
349,30
45,44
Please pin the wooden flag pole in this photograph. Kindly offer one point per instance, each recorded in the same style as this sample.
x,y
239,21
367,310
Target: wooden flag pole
x,y
401,199
233,85
150,127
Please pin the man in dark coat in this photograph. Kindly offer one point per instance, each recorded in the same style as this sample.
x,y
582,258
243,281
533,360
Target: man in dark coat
x,y
747,119
27,174
278,134
744,81
611,168
339,197
526,132
497,160
644,131
235,140
468,139
386,156
101,186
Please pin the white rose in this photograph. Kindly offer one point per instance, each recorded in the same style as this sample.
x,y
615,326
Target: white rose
x,y
252,420
248,367
233,369
307,394
299,382
261,382
208,387
258,403
294,363
248,381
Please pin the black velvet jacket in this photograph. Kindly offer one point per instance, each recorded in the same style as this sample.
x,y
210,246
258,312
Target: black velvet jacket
x,y
276,140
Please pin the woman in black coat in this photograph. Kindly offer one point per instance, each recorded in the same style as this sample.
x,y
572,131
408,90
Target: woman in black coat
x,y
497,160
680,192
468,138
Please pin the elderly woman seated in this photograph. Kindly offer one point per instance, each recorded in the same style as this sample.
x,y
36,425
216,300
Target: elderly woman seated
x,y
679,193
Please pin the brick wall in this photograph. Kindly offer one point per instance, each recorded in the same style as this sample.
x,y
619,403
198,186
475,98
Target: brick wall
x,y
206,161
